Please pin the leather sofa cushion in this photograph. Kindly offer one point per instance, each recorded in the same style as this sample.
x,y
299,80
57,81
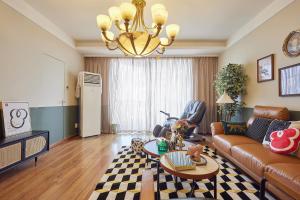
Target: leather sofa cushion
x,y
225,142
280,113
286,177
255,157
269,112
258,129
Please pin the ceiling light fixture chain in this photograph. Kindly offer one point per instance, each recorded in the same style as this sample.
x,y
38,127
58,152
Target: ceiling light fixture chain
x,y
135,38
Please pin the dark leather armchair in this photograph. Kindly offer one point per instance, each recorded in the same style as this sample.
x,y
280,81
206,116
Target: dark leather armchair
x,y
193,113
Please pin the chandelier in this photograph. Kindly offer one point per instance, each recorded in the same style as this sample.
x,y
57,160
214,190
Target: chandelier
x,y
135,38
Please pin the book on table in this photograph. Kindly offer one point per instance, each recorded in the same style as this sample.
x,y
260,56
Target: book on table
x,y
180,161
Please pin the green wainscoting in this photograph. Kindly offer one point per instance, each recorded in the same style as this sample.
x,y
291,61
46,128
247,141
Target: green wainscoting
x,y
60,121
246,113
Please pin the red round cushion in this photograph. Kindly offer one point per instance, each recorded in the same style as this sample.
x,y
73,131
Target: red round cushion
x,y
286,141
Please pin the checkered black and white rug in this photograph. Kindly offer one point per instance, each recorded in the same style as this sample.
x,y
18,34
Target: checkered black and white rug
x,y
122,181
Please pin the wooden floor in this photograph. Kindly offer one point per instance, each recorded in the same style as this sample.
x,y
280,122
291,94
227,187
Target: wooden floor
x,y
68,171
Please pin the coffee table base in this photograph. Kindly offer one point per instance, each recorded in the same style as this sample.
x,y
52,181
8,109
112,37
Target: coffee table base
x,y
192,192
157,176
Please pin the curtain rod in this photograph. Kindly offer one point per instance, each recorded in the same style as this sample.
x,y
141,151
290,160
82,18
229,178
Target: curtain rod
x,y
152,57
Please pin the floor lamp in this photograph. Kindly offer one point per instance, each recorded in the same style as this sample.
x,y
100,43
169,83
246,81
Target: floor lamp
x,y
224,99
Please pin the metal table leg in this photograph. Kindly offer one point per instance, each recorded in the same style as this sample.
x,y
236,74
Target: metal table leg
x,y
176,182
147,159
35,161
262,189
157,182
192,189
157,179
215,186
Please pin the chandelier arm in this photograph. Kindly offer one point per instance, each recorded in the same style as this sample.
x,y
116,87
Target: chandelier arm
x,y
123,48
161,52
139,19
134,23
149,28
147,44
110,48
117,24
170,43
143,22
106,38
132,43
127,26
157,32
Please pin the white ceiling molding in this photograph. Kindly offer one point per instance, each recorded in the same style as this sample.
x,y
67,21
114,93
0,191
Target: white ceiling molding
x,y
258,20
183,44
25,9
184,48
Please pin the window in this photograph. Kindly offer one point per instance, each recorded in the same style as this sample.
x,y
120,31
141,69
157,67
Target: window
x,y
140,88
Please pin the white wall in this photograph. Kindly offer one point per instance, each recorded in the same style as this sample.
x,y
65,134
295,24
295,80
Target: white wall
x,y
23,48
265,40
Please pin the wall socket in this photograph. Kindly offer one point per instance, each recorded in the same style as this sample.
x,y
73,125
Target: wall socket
x,y
76,125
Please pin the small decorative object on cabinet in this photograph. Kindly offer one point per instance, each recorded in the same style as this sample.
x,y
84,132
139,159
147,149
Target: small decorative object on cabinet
x,y
19,148
289,81
16,117
291,45
265,68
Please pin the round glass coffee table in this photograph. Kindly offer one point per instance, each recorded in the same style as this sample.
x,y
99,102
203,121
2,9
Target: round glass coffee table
x,y
150,149
208,171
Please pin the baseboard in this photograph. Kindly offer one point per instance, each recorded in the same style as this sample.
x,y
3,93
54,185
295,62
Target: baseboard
x,y
63,141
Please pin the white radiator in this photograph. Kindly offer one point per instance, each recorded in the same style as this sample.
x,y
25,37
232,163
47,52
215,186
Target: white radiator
x,y
90,104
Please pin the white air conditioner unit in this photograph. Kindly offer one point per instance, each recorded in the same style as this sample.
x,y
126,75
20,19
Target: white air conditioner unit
x,y
90,104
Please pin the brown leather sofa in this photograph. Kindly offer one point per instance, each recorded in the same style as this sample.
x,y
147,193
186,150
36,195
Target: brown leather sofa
x,y
279,174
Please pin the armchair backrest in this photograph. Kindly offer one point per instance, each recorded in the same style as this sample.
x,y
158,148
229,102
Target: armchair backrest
x,y
280,113
194,111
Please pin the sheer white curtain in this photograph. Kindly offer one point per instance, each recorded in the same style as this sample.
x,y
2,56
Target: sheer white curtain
x,y
140,88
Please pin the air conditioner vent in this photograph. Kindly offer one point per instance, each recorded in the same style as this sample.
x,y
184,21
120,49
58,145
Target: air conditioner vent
x,y
92,79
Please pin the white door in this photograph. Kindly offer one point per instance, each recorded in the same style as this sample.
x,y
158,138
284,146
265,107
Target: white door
x,y
52,81
51,90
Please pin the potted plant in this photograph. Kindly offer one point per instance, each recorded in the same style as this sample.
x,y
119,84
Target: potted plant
x,y
232,80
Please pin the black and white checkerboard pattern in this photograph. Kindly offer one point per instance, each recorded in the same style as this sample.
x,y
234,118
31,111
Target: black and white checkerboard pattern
x,y
122,181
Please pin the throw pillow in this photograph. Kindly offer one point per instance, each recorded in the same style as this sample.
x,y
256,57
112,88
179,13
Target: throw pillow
x,y
258,129
295,124
276,125
285,141
234,128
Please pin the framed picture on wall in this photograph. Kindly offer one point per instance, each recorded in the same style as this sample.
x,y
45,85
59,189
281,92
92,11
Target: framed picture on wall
x,y
289,81
16,117
291,45
265,68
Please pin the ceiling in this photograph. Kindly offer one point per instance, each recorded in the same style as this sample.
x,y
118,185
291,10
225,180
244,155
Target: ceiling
x,y
200,20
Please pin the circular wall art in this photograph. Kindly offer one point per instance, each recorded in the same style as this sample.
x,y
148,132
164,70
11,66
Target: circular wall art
x,y
291,46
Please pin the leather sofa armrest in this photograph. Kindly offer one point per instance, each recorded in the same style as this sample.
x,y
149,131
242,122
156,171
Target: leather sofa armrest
x,y
217,128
